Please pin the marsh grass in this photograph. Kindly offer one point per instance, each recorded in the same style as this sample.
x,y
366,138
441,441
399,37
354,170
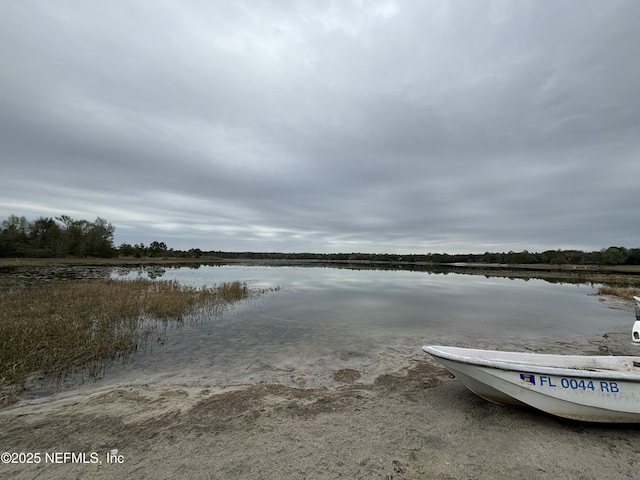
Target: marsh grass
x,y
57,328
625,293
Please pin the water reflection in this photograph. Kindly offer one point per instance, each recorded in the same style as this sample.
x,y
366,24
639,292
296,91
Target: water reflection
x,y
372,320
325,319
468,305
157,271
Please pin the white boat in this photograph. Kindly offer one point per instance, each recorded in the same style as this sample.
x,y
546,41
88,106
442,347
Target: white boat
x,y
588,388
635,331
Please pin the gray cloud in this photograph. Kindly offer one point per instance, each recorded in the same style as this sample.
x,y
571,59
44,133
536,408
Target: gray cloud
x,y
332,126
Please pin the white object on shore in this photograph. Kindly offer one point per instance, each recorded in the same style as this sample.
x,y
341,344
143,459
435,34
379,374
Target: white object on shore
x,y
588,388
635,331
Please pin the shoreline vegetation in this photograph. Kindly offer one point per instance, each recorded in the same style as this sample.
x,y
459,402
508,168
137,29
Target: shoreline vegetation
x,y
52,329
289,260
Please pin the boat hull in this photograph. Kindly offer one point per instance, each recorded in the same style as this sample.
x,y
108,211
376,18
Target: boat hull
x,y
594,389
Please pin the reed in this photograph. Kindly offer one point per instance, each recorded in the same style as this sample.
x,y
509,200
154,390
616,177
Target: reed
x,y
626,293
57,328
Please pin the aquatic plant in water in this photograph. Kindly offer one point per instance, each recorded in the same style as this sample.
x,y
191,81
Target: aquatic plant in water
x,y
59,327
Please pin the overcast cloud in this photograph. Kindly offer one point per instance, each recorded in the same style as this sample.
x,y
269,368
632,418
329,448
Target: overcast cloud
x,y
344,126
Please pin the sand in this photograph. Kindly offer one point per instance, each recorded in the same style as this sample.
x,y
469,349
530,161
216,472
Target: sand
x,y
418,422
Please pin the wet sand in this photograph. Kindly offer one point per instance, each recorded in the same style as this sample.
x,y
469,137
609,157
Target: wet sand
x,y
416,422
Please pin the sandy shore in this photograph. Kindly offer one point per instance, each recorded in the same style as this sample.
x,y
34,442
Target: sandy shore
x,y
415,423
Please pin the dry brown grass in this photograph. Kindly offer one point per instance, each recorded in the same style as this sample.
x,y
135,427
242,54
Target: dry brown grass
x,y
625,293
55,328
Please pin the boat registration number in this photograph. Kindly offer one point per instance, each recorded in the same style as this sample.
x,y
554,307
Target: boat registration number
x,y
571,383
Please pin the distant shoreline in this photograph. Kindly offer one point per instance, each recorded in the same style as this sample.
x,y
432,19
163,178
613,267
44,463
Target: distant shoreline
x,y
587,273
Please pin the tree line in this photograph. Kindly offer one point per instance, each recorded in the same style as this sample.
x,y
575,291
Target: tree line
x,y
608,256
57,237
64,236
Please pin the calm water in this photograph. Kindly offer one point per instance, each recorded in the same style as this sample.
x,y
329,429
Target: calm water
x,y
422,303
325,319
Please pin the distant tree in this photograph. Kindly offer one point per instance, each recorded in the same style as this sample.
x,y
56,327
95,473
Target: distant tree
x,y
46,238
13,237
14,230
74,232
614,256
633,256
139,250
157,249
558,257
126,250
98,239
15,225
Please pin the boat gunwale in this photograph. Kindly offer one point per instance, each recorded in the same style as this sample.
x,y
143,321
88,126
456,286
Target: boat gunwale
x,y
508,365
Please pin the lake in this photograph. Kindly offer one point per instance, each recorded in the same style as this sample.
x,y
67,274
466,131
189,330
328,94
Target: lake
x,y
324,319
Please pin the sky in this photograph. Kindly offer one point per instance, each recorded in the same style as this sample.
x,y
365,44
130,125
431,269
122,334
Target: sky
x,y
375,126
